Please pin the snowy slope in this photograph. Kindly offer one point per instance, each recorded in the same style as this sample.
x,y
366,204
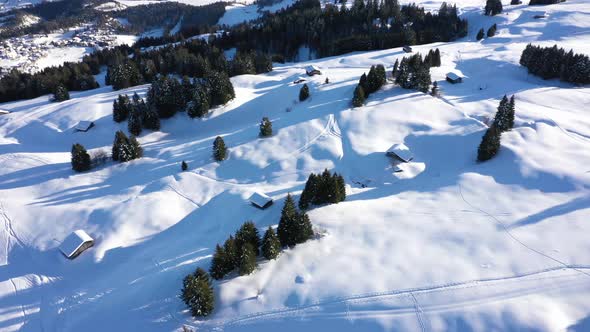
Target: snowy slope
x,y
446,245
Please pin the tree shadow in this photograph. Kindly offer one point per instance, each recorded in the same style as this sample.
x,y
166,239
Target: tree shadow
x,y
576,204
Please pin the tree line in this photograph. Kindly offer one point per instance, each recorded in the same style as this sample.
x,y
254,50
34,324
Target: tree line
x,y
554,62
335,30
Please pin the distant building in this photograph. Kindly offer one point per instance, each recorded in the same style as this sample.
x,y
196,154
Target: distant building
x,y
538,16
312,70
400,152
84,126
299,80
4,112
454,78
408,49
260,200
75,244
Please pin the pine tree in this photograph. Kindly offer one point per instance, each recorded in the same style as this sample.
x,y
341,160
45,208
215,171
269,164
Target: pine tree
x,y
61,93
221,87
303,228
232,254
219,149
480,34
501,120
184,165
286,229
80,158
198,106
304,92
197,293
248,233
493,7
247,260
436,60
422,79
434,92
510,113
134,122
490,144
151,120
394,71
136,149
121,108
219,263
340,188
265,127
492,31
309,192
119,150
364,84
375,79
271,246
358,97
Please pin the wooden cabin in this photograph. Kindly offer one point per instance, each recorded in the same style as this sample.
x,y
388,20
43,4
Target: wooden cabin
x,y
454,78
84,126
76,243
261,200
312,70
400,152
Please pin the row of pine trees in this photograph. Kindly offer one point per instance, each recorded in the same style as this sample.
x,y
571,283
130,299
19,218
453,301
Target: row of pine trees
x,y
554,62
503,121
124,149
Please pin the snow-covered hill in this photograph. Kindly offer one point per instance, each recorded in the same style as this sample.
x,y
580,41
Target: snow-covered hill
x,y
446,245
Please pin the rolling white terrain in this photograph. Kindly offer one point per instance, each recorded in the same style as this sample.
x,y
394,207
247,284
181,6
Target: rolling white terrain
x,y
448,244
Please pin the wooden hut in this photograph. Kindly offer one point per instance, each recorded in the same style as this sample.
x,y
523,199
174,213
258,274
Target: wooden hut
x,y
75,244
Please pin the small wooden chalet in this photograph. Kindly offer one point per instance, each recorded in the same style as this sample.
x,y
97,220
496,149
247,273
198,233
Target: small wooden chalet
x,y
312,70
454,78
261,200
407,49
400,152
84,126
75,244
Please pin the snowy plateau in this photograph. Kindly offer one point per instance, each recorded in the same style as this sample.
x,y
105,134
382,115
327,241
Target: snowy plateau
x,y
448,244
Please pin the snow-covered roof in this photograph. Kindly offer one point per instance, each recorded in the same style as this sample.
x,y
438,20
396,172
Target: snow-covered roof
x,y
73,242
4,111
260,199
311,68
84,125
401,151
453,76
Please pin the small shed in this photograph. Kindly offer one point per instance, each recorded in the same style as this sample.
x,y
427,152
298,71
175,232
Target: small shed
x,y
538,16
400,152
408,49
84,126
454,78
299,80
261,200
312,70
4,112
75,244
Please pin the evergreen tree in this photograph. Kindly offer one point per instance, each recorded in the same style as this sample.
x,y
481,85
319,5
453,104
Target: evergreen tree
x,y
151,120
358,97
247,260
375,79
422,79
136,149
120,151
304,92
121,108
303,228
219,263
493,7
394,71
480,34
490,144
501,121
287,224
309,192
199,104
134,122
340,188
221,88
271,246
183,165
265,127
61,93
80,158
492,30
511,112
363,82
197,293
434,92
232,254
219,149
436,60
248,233
165,94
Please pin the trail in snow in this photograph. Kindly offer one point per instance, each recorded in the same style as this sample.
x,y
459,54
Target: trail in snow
x,y
394,293
419,313
512,236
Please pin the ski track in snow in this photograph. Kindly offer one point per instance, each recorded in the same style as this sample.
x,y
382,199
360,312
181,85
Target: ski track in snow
x,y
419,313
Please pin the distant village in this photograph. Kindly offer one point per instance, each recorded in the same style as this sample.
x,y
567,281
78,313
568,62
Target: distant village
x,y
24,52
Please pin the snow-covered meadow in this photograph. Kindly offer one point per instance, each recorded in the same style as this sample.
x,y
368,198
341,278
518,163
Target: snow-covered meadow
x,y
446,245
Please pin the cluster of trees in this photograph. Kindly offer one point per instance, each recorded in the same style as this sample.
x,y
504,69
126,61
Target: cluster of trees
x,y
338,29
61,93
493,7
491,32
294,226
323,188
368,84
139,114
503,121
554,62
414,72
125,148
